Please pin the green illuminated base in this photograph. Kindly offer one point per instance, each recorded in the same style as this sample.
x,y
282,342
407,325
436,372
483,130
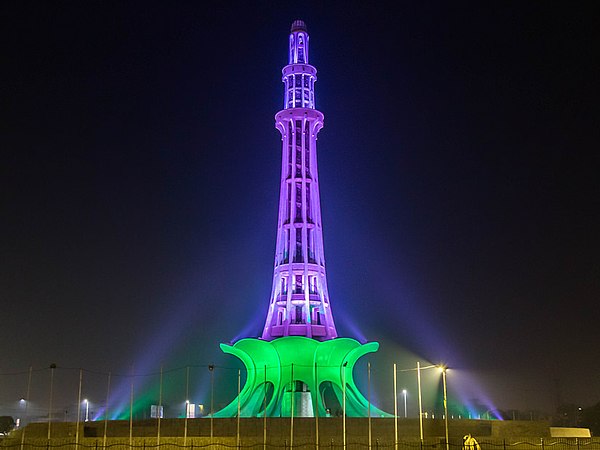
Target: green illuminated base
x,y
323,367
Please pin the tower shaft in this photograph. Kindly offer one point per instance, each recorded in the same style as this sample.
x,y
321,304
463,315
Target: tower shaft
x,y
299,303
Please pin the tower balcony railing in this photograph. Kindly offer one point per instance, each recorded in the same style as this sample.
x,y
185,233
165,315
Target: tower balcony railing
x,y
313,297
314,264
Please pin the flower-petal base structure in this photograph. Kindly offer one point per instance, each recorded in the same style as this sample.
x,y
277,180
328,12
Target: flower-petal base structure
x,y
277,369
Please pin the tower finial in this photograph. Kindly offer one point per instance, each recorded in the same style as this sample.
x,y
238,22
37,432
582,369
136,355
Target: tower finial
x,y
298,43
298,25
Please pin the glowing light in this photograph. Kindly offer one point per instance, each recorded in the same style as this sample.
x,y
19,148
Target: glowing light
x,y
271,361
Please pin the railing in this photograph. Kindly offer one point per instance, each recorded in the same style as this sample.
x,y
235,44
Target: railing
x,y
299,444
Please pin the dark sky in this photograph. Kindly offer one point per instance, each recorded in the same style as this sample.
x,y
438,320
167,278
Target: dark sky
x,y
459,168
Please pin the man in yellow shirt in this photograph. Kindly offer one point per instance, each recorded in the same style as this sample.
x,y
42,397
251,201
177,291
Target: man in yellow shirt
x,y
469,443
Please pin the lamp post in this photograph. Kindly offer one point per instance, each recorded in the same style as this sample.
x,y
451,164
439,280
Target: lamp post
x,y
239,386
52,367
87,409
420,401
26,401
369,399
211,369
131,409
443,370
187,404
344,402
395,410
405,410
78,408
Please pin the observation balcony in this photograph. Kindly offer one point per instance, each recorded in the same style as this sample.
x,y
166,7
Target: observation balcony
x,y
298,330
298,299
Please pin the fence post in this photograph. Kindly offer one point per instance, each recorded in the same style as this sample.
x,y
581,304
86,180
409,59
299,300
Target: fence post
x,y
542,442
377,444
577,442
421,444
504,444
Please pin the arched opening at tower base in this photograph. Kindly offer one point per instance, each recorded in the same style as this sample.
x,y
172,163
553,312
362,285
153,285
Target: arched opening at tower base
x,y
308,377
331,399
266,397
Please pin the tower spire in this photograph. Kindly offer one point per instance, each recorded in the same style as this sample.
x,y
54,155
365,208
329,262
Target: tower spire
x,y
298,43
299,304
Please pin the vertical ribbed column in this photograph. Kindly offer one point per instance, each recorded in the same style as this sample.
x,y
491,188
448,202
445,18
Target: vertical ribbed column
x,y
299,304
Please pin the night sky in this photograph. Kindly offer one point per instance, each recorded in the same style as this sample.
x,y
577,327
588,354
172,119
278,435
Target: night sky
x,y
459,172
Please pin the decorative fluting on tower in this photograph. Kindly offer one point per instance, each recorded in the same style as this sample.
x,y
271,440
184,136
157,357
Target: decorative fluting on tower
x,y
299,304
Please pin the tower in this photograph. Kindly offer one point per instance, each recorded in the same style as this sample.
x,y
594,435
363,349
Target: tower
x,y
299,304
299,367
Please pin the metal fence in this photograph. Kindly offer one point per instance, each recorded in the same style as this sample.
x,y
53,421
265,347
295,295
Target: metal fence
x,y
218,444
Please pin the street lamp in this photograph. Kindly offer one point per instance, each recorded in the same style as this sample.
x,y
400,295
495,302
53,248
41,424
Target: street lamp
x,y
443,369
87,409
22,408
440,367
344,402
52,367
420,400
211,369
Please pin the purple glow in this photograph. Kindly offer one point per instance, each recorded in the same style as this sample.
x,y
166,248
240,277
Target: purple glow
x,y
355,331
249,329
299,304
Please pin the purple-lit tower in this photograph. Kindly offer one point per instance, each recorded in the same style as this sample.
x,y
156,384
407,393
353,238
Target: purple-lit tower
x,y
299,367
299,304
